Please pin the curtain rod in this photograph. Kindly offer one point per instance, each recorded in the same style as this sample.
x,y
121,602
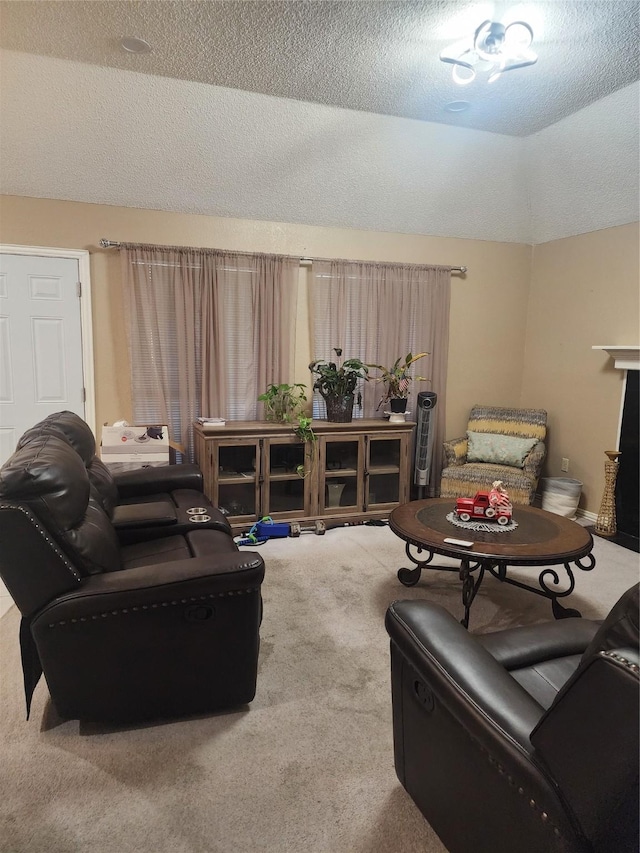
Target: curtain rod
x,y
114,244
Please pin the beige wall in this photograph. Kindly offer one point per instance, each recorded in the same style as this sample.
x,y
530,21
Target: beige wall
x,y
489,306
584,292
523,320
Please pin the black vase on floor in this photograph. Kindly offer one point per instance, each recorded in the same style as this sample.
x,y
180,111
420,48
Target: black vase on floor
x,y
339,409
398,404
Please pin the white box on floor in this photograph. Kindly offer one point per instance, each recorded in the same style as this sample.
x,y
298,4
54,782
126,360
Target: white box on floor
x,y
125,448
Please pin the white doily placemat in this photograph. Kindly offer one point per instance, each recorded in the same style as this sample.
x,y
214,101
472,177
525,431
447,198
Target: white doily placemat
x,y
484,526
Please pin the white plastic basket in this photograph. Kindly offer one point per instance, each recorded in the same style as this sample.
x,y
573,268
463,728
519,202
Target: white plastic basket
x,y
561,495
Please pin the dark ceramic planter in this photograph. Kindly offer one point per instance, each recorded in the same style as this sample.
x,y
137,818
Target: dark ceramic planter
x,y
398,404
340,409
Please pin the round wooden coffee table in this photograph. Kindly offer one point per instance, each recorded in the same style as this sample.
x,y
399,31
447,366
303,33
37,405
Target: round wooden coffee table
x,y
541,539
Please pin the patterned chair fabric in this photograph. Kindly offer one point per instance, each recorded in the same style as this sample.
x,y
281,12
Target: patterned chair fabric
x,y
461,478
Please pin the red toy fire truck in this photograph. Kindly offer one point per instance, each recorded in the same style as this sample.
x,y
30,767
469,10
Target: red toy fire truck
x,y
482,507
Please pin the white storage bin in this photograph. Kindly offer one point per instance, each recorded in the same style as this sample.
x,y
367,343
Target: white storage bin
x,y
561,495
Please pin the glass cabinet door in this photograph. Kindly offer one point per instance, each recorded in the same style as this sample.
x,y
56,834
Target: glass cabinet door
x,y
383,471
238,479
287,465
341,475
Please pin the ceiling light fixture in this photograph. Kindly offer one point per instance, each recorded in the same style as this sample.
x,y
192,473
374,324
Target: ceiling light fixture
x,y
493,49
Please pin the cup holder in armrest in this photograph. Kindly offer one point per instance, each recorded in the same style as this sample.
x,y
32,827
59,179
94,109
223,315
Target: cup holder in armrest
x,y
199,518
197,510
144,515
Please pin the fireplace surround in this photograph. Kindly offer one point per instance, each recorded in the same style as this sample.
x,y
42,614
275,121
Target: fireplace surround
x,y
627,358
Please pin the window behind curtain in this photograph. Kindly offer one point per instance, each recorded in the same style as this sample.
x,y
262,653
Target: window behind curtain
x,y
378,313
208,331
330,300
241,368
154,348
161,337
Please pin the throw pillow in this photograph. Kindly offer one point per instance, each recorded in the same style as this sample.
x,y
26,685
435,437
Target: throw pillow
x,y
498,449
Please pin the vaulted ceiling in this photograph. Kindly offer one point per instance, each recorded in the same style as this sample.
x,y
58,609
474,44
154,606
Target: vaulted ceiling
x,y
329,112
376,56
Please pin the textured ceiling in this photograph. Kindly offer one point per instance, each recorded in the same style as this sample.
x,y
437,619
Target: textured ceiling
x,y
323,113
379,57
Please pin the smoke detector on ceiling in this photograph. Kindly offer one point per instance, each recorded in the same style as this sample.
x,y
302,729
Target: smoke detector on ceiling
x,y
131,44
457,106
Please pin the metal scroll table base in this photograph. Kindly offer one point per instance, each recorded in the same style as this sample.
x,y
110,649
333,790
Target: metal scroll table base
x,y
471,581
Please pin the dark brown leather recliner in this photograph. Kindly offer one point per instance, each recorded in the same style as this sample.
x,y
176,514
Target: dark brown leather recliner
x,y
520,740
141,503
164,627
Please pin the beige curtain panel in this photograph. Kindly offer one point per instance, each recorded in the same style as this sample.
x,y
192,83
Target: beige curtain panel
x,y
208,331
380,312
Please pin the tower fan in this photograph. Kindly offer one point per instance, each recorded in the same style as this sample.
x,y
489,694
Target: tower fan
x,y
424,439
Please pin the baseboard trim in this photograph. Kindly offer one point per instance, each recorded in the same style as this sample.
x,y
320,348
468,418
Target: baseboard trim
x,y
590,516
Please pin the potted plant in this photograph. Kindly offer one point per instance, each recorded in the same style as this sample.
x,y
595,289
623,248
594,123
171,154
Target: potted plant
x,y
284,404
337,382
397,381
304,432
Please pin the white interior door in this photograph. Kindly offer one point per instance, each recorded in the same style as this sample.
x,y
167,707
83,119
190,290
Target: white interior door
x,y
46,342
41,346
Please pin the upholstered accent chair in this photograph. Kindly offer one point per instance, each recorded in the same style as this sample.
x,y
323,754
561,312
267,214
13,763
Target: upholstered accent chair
x,y
500,444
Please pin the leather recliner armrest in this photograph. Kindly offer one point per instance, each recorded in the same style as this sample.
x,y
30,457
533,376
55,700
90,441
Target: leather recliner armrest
x,y
530,644
469,680
146,481
152,514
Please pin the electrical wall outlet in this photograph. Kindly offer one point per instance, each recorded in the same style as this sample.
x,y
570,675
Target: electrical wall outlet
x,y
565,464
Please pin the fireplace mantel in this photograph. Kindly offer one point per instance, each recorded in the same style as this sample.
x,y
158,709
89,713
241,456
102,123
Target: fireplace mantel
x,y
625,358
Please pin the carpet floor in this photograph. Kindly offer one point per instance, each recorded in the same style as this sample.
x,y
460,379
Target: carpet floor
x,y
307,767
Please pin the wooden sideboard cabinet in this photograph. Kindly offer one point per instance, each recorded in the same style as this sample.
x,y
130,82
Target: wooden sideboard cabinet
x,y
353,472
